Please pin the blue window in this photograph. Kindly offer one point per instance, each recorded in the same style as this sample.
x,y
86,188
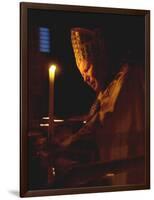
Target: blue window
x,y
44,39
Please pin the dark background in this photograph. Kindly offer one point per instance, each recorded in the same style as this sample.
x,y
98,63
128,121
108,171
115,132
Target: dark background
x,y
125,37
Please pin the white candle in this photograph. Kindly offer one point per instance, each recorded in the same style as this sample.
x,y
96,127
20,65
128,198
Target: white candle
x,y
52,70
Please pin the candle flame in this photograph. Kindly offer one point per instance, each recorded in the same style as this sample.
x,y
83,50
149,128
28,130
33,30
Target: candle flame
x,y
52,68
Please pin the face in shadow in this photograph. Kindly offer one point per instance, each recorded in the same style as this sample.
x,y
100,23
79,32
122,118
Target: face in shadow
x,y
90,56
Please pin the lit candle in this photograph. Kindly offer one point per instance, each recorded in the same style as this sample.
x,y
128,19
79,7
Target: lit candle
x,y
51,100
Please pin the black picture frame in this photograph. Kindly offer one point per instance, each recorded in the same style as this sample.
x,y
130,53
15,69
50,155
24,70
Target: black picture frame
x,y
25,8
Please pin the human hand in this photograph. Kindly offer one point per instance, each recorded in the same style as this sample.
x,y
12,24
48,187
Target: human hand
x,y
63,143
66,142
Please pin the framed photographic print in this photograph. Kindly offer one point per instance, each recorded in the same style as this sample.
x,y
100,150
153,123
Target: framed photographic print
x,y
85,99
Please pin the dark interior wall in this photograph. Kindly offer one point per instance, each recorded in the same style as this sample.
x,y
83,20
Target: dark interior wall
x,y
124,34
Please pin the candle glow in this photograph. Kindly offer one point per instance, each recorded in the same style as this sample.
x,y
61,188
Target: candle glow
x,y
52,70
